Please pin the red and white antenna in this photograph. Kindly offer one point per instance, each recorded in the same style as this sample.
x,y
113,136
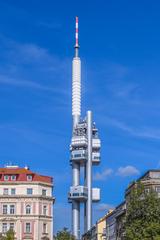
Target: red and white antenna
x,y
77,44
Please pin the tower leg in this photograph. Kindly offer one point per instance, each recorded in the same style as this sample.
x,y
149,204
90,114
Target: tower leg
x,y
76,204
85,209
76,219
89,171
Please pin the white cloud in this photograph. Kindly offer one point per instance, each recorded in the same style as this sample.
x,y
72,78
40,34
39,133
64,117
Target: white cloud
x,y
127,171
7,80
104,207
144,132
101,176
28,65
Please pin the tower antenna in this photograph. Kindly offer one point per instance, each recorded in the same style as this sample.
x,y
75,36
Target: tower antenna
x,y
77,40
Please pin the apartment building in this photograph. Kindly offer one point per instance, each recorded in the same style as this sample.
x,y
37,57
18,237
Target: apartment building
x,y
26,203
98,231
115,220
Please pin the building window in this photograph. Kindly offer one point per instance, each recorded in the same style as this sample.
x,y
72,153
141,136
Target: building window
x,y
4,227
12,209
13,191
13,177
28,209
45,210
11,226
29,191
4,209
29,177
28,227
158,189
44,192
5,191
6,177
147,190
44,228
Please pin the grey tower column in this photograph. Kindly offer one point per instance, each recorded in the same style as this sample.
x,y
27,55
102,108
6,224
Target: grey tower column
x,y
85,209
76,204
89,171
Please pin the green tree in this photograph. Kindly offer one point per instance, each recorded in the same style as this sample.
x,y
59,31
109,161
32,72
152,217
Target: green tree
x,y
64,234
143,215
10,235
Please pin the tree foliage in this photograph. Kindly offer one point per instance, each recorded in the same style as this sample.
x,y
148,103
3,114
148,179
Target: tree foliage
x,y
10,235
143,215
64,234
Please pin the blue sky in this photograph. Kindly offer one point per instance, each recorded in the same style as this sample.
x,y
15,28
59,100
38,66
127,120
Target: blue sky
x,y
120,55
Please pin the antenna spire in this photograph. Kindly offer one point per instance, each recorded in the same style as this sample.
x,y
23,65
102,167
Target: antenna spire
x,y
76,36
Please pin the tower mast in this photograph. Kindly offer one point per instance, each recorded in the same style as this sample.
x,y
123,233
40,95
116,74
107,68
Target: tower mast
x,y
85,152
76,81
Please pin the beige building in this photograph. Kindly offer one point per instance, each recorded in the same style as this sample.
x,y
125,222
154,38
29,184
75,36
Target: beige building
x,y
98,231
26,203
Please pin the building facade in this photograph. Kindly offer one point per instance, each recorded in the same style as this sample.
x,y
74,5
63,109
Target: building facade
x,y
98,231
26,203
115,220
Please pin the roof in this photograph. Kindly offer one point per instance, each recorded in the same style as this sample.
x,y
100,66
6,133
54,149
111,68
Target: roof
x,y
21,175
141,178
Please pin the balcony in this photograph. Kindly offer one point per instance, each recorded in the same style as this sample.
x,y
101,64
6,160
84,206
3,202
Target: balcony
x,y
96,143
79,193
79,156
79,141
96,158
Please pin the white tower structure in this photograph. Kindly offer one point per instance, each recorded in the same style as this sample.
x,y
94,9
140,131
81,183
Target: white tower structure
x,y
85,152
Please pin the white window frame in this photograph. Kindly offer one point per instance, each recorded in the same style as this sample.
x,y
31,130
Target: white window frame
x,y
13,177
44,210
28,227
44,227
13,189
11,226
6,177
28,209
44,192
12,209
5,191
157,188
147,190
5,209
28,190
29,177
4,227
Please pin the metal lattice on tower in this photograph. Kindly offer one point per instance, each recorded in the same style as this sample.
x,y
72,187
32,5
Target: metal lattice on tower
x,y
85,152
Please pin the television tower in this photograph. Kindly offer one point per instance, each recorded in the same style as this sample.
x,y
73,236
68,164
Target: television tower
x,y
85,152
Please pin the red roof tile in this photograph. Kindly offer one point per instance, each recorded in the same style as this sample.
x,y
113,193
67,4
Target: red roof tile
x,y
22,173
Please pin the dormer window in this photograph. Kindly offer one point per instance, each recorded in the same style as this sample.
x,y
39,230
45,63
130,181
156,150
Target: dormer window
x,y
13,177
29,177
6,177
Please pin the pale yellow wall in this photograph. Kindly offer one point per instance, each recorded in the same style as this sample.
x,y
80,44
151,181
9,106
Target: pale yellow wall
x,y
101,225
